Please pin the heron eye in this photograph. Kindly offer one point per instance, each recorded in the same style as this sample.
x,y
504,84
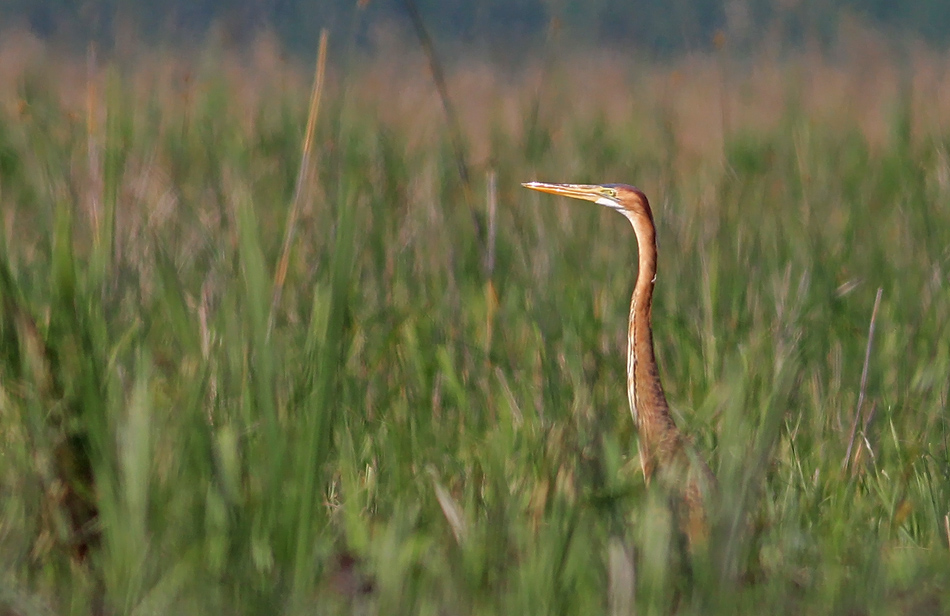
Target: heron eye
x,y
611,192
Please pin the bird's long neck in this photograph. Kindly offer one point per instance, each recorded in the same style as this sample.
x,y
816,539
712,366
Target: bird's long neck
x,y
651,414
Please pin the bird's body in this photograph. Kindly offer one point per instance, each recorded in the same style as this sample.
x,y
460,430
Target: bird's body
x,y
663,449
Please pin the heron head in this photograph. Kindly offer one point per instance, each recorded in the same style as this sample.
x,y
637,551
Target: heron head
x,y
625,199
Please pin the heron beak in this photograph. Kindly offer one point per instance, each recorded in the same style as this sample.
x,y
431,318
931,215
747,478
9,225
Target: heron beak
x,y
587,192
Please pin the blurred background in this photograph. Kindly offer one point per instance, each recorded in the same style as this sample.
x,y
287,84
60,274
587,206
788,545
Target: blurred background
x,y
280,331
652,27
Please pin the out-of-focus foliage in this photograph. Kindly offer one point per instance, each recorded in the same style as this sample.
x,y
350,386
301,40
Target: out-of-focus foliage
x,y
662,26
407,430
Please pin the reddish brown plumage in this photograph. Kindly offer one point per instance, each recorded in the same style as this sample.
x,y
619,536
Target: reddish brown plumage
x,y
663,450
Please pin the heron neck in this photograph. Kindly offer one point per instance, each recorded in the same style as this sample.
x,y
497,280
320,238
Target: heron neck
x,y
644,390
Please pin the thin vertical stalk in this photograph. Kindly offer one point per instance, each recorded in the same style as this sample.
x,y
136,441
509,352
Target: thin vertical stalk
x,y
864,381
451,117
281,274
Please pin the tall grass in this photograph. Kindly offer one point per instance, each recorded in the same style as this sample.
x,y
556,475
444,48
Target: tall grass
x,y
467,443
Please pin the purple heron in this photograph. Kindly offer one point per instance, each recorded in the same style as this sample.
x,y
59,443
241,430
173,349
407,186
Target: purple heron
x,y
664,450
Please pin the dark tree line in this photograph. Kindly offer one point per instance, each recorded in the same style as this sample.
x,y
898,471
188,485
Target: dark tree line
x,y
662,26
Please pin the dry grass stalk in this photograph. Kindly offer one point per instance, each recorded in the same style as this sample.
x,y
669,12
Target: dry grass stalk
x,y
281,274
864,380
